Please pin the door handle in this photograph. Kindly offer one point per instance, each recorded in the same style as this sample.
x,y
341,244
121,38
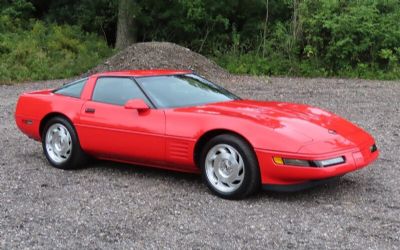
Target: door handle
x,y
90,110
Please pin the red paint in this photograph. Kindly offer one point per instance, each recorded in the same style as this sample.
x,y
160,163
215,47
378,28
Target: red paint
x,y
137,104
166,138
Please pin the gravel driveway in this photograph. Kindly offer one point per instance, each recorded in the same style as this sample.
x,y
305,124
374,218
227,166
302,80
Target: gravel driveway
x,y
117,206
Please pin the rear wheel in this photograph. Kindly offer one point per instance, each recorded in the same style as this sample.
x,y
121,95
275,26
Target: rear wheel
x,y
230,167
61,145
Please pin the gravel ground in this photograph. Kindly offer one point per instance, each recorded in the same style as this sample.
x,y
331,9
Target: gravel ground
x,y
117,206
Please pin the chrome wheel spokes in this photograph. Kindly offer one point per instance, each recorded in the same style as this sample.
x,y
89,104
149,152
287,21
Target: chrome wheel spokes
x,y
58,143
224,168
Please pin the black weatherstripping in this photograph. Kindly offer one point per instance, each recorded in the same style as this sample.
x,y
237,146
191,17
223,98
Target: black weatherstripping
x,y
144,92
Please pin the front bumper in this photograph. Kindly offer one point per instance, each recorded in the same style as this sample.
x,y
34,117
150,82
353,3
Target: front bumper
x,y
298,187
273,174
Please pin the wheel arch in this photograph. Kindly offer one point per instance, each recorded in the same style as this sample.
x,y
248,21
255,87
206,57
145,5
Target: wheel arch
x,y
204,138
49,116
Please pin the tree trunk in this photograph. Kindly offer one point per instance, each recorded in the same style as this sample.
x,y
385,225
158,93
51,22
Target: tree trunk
x,y
126,28
265,28
296,26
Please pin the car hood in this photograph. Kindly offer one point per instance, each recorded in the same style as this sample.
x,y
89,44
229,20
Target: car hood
x,y
305,124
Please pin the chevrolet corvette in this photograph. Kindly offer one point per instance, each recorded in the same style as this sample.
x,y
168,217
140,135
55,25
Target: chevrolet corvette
x,y
177,120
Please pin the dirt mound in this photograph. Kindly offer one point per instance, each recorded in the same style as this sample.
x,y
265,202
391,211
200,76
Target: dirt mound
x,y
155,55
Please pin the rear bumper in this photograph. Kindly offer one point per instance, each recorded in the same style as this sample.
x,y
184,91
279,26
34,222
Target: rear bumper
x,y
275,176
28,126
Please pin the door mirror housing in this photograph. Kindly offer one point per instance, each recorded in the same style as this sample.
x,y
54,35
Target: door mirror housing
x,y
137,104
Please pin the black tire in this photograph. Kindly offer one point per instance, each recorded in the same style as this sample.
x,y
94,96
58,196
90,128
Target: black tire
x,y
250,182
76,158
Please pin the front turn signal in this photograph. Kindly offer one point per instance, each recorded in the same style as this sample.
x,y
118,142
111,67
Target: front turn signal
x,y
278,160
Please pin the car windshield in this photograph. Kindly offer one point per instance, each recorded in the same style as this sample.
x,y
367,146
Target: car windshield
x,y
183,91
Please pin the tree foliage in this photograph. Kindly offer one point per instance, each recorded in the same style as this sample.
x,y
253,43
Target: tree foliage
x,y
31,49
279,37
346,36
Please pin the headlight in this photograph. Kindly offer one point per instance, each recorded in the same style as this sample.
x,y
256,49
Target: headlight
x,y
308,163
330,162
295,162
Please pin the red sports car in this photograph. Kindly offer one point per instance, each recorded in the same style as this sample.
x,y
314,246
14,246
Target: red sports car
x,y
180,121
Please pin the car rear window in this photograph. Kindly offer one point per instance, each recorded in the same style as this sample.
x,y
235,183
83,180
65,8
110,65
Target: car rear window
x,y
73,89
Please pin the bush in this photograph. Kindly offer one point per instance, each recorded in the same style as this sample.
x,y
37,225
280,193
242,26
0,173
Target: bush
x,y
352,38
34,50
292,37
333,38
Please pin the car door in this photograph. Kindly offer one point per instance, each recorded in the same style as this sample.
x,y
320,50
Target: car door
x,y
109,130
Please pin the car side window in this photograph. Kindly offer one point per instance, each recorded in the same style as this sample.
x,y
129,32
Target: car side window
x,y
116,90
73,89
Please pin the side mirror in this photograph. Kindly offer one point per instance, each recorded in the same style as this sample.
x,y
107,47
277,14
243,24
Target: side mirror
x,y
137,104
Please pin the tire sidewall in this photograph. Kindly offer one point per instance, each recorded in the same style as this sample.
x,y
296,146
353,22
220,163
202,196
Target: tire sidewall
x,y
252,175
76,151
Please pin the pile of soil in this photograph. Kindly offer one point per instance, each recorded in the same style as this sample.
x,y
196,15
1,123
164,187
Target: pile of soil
x,y
160,55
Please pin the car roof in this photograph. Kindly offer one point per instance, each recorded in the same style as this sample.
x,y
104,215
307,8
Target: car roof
x,y
148,72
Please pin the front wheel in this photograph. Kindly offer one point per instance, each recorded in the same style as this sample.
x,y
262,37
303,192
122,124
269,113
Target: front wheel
x,y
61,145
230,167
